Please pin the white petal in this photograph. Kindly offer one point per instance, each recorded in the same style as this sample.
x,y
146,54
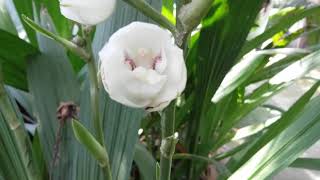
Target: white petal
x,y
176,72
113,72
162,65
133,88
144,85
140,35
87,12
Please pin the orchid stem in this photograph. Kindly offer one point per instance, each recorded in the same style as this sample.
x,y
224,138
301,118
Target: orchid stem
x,y
168,142
94,90
152,13
94,97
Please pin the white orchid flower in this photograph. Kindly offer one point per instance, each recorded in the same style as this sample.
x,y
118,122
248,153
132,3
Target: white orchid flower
x,y
87,12
142,68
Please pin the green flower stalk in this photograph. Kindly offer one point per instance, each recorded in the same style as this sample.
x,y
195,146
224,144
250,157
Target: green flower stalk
x,y
168,143
152,13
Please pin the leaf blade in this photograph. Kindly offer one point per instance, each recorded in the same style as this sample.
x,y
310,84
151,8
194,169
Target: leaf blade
x,y
13,55
284,23
286,147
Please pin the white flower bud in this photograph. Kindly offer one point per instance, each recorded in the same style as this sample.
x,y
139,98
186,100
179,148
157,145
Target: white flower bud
x,y
142,68
87,12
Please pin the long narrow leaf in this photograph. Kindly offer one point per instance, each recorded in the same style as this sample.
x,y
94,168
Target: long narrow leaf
x,y
282,24
306,163
286,147
222,35
16,145
25,7
62,25
265,91
225,30
145,162
286,120
5,19
13,55
237,76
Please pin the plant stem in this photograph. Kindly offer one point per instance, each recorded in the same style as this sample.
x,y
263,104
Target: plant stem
x,y
17,128
107,171
192,13
94,98
149,11
168,142
189,17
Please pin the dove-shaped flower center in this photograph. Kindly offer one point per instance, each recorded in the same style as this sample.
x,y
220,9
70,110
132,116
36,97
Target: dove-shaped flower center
x,y
141,67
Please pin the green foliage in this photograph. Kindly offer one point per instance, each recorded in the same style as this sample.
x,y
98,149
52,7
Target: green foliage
x,y
225,30
12,166
25,7
13,57
306,163
16,147
6,23
145,162
282,150
285,22
62,25
276,128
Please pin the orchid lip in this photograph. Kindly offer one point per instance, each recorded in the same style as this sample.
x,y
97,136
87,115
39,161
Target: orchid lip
x,y
142,53
156,60
130,62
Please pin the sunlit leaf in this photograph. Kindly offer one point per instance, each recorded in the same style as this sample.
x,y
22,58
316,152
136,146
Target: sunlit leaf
x,y
286,147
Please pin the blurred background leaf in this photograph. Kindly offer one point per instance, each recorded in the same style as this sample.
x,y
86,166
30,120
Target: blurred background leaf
x,y
285,148
25,7
13,55
6,23
145,162
306,163
12,166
